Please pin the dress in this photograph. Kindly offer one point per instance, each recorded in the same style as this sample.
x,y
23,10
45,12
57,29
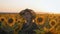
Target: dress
x,y
28,30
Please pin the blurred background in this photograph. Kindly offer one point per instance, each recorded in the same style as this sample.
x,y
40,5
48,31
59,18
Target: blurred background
x,y
44,6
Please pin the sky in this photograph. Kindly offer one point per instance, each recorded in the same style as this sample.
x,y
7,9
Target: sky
x,y
15,6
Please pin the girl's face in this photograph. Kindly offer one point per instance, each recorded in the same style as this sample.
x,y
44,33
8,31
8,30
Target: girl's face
x,y
27,15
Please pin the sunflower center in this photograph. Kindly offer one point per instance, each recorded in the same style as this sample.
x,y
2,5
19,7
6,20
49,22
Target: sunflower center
x,y
10,20
40,19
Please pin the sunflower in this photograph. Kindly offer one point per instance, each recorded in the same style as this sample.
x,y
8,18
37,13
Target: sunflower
x,y
5,25
40,19
52,16
57,27
10,21
53,30
3,20
50,31
52,22
58,18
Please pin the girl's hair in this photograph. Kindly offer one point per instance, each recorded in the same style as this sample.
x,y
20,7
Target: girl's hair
x,y
32,13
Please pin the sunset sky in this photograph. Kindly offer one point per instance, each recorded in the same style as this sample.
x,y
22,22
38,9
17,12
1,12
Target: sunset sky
x,y
48,6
